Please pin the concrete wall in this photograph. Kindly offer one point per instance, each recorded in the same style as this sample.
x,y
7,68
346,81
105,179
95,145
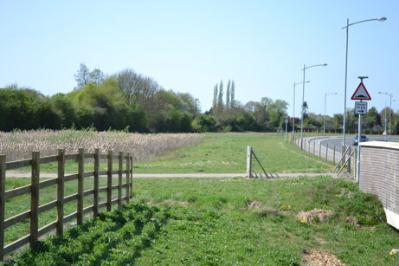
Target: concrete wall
x,y
379,175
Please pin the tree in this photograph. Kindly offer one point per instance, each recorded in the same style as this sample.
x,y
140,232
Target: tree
x,y
128,82
97,76
337,121
372,121
232,94
215,98
228,96
82,77
220,98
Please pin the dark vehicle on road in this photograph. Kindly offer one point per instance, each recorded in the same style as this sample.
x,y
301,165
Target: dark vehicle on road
x,y
363,138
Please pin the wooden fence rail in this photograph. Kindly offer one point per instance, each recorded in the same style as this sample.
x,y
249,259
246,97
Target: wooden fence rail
x,y
36,185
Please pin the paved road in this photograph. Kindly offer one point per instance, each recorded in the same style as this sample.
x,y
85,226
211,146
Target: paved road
x,y
337,140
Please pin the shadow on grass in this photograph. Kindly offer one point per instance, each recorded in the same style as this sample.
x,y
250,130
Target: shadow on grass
x,y
118,237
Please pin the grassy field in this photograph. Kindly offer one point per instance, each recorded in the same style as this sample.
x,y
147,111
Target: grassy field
x,y
226,222
21,203
221,153
226,153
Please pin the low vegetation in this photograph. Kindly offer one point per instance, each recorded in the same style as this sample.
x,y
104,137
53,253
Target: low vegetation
x,y
226,153
20,144
230,221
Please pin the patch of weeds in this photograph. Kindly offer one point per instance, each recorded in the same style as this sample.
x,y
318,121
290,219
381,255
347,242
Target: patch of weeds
x,y
365,208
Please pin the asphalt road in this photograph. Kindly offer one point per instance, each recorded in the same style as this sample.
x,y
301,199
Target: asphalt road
x,y
337,140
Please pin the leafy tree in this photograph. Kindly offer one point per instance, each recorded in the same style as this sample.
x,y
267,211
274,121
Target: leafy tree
x,y
82,77
204,123
96,76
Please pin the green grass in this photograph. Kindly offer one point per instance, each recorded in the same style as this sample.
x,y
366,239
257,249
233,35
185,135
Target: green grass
x,y
21,203
226,153
207,222
221,153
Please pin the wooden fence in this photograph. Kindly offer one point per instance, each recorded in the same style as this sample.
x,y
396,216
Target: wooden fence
x,y
124,169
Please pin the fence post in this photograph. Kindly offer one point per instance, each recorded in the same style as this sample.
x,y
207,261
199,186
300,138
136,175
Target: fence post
x,y
96,179
327,151
350,160
120,179
34,200
79,212
131,176
249,161
2,202
314,147
60,192
334,155
109,181
320,149
127,176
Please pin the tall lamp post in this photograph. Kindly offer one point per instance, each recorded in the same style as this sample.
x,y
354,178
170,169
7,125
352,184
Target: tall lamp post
x,y
293,107
303,95
381,19
325,107
385,113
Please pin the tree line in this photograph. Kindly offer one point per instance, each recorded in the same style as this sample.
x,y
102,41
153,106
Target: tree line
x,y
133,102
372,123
124,101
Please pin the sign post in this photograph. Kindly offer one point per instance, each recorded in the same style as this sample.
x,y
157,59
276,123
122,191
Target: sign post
x,y
286,127
361,94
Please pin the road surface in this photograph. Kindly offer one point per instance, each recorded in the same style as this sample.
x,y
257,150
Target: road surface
x,y
337,140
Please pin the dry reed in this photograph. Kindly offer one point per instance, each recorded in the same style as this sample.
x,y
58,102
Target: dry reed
x,y
19,144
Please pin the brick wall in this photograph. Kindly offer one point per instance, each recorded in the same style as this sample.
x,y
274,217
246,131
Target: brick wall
x,y
379,175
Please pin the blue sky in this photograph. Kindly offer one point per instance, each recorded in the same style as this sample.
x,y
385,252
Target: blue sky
x,y
189,46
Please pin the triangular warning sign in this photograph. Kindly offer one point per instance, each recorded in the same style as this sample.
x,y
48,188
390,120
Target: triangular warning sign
x,y
361,93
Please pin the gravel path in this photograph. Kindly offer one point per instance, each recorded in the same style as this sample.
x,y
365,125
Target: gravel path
x,y
15,174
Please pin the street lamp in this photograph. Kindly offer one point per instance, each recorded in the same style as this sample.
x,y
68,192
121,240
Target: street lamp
x,y
303,95
385,113
381,19
325,107
293,107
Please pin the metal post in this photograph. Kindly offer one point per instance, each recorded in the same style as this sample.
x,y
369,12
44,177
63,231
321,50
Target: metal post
x,y
314,146
334,155
359,130
249,161
349,159
346,82
286,128
320,149
303,102
385,121
325,111
390,113
293,113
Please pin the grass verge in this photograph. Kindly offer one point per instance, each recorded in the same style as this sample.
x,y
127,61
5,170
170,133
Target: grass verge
x,y
229,221
226,153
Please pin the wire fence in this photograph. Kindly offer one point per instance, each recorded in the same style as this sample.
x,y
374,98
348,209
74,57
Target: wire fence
x,y
336,154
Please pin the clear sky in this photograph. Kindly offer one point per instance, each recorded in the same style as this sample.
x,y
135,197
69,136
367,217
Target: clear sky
x,y
189,46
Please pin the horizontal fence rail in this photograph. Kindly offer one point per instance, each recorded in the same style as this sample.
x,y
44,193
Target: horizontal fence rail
x,y
125,182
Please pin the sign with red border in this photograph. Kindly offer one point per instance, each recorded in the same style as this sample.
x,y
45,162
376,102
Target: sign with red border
x,y
361,93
